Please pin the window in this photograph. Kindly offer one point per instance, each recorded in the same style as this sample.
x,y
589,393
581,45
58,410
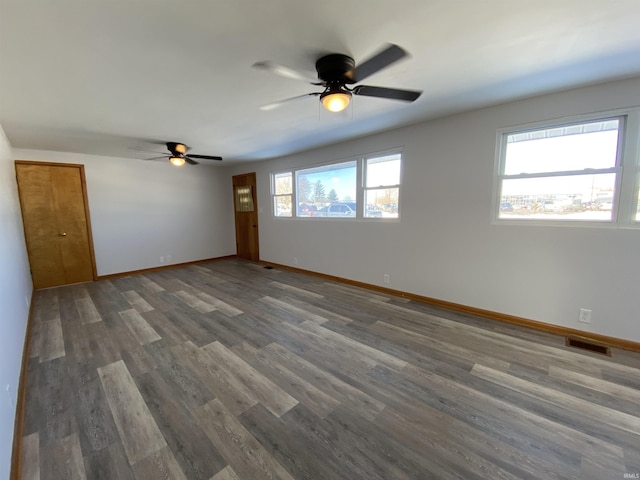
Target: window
x,y
244,199
282,194
382,186
562,172
367,188
317,189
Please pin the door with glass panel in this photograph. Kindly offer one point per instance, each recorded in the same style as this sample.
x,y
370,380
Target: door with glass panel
x,y
246,216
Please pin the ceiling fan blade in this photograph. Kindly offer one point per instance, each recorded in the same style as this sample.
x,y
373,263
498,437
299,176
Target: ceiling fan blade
x,y
156,158
190,161
391,93
143,150
204,157
388,55
271,106
284,71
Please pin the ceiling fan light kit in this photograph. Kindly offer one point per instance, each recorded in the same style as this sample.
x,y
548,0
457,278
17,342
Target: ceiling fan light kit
x,y
336,71
177,161
335,99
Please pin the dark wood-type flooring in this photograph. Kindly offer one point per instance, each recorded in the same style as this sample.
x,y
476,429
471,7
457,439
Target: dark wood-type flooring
x,y
227,370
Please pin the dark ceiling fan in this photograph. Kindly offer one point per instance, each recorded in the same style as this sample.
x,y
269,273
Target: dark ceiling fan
x,y
336,71
178,155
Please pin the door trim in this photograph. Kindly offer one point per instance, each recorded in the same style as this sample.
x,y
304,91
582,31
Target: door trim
x,y
85,198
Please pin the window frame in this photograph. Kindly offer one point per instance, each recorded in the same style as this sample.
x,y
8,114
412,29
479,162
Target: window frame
x,y
626,170
365,188
296,200
360,162
275,196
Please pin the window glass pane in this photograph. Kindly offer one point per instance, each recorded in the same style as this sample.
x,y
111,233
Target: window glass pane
x,y
282,183
570,197
320,187
383,171
244,199
566,148
282,206
381,203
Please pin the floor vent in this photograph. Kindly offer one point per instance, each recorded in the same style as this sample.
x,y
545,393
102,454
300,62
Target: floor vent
x,y
588,344
268,267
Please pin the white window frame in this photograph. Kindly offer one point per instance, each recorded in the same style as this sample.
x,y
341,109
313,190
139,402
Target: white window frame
x,y
296,200
361,161
626,169
365,189
275,196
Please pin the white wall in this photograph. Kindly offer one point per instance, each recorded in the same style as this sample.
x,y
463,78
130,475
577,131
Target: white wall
x,y
15,297
141,211
447,247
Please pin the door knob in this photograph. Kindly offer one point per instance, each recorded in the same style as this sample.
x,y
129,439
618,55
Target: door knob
x,y
63,234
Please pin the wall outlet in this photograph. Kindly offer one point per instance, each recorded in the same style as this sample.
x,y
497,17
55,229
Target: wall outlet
x,y
161,259
584,316
168,257
295,260
386,278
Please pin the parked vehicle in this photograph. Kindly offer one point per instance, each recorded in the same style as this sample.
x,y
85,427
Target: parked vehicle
x,y
337,210
345,209
603,204
506,207
373,213
306,210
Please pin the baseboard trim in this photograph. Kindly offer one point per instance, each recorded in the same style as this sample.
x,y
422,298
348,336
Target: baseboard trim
x,y
18,424
501,317
162,267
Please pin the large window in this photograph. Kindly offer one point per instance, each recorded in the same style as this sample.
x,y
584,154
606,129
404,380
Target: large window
x,y
570,172
327,191
367,188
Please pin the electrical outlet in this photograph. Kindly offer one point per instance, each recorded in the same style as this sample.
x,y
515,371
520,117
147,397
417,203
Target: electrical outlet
x,y
295,260
584,316
168,258
386,278
162,259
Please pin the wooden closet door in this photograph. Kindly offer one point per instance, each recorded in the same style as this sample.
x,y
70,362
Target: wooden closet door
x,y
56,223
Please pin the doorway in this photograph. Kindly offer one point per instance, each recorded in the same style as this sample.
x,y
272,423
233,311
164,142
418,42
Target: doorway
x,y
245,204
55,214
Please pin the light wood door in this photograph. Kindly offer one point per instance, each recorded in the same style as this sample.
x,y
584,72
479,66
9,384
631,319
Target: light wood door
x,y
56,223
246,214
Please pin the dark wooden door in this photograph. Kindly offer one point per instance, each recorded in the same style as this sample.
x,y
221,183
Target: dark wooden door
x,y
245,204
56,223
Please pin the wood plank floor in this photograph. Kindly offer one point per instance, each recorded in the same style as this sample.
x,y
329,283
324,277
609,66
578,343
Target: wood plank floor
x,y
230,371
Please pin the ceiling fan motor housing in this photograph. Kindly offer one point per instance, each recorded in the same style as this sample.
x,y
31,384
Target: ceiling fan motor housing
x,y
176,148
334,68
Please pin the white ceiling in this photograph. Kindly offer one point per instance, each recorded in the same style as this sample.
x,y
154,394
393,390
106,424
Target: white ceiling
x,y
107,77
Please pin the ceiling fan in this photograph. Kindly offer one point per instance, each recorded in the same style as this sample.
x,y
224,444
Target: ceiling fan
x,y
336,71
178,155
